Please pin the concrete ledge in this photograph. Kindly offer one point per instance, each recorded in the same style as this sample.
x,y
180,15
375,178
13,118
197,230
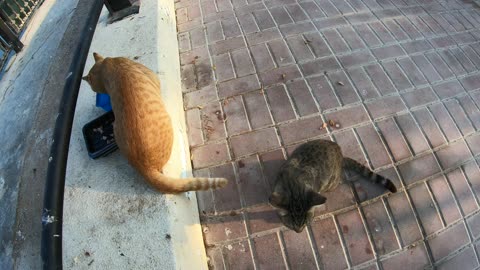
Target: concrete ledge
x,y
112,219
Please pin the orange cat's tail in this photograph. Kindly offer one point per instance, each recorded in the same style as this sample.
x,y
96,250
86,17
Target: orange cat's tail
x,y
168,184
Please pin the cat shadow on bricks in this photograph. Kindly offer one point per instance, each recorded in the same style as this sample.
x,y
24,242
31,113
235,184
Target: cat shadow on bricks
x,y
246,200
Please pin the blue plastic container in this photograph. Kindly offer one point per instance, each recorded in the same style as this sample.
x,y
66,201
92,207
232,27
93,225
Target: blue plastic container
x,y
103,101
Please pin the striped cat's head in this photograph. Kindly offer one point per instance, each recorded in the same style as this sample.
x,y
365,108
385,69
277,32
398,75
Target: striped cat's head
x,y
296,209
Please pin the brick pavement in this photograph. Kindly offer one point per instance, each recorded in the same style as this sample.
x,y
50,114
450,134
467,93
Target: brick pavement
x,y
401,78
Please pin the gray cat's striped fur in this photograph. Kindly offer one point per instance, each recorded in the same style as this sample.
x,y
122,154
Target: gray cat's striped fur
x,y
314,167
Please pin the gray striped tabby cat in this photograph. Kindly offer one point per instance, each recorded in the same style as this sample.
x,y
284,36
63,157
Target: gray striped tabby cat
x,y
314,167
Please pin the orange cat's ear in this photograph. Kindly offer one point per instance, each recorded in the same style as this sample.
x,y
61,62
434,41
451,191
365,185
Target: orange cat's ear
x,y
97,57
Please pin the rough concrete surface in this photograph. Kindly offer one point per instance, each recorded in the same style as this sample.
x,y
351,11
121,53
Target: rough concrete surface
x,y
111,215
22,92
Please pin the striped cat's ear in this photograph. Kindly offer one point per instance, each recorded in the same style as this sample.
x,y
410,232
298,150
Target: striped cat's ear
x,y
317,199
275,199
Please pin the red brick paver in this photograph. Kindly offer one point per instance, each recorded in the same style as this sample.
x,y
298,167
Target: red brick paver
x,y
401,78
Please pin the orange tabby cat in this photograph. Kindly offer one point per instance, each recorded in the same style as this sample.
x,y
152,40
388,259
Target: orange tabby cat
x,y
143,129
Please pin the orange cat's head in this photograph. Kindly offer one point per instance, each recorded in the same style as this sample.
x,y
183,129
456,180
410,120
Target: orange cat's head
x,y
94,75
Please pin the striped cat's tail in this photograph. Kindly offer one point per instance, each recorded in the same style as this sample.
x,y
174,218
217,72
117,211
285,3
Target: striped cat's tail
x,y
171,185
353,165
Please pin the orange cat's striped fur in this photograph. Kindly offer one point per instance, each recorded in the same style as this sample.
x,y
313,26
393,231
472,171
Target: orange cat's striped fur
x,y
143,129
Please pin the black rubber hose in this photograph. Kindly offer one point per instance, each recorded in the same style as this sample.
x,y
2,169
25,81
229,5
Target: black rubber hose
x,y
51,246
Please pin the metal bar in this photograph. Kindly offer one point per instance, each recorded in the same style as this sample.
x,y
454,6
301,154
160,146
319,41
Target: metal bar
x,y
21,11
4,16
51,247
6,51
10,36
4,43
7,18
15,17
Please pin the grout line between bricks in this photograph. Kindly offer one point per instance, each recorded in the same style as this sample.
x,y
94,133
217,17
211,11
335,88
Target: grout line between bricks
x,y
391,219
220,250
475,196
386,256
394,164
382,257
342,240
372,11
244,106
418,221
309,87
292,102
453,254
373,100
204,137
469,184
253,253
367,230
407,194
469,232
435,203
314,247
404,138
455,198
409,199
229,149
384,167
390,155
348,260
281,243
296,115
246,218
